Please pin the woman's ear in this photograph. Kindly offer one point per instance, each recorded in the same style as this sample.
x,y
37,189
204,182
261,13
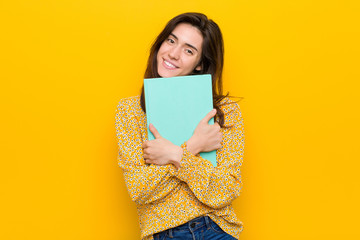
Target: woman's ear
x,y
198,68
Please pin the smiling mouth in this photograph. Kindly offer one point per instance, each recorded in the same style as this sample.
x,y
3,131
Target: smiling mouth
x,y
169,65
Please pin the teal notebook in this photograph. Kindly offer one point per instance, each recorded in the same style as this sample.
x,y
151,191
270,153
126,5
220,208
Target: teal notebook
x,y
176,105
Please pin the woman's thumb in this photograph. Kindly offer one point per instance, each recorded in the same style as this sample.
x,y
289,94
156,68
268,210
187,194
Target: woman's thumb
x,y
154,131
208,116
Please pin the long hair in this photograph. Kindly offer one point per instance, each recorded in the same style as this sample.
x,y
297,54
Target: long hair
x,y
211,61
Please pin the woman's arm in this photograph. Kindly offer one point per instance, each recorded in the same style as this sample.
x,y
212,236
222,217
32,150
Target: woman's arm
x,y
161,151
217,186
145,183
214,186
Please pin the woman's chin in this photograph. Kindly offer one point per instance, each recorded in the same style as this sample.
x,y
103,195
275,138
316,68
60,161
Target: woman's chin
x,y
167,74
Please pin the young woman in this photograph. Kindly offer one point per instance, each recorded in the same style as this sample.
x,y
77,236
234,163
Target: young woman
x,y
178,194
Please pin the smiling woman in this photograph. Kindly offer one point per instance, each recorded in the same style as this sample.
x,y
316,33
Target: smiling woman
x,y
179,194
180,54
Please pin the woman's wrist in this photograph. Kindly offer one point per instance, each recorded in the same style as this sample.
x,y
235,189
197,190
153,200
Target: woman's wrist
x,y
192,146
176,161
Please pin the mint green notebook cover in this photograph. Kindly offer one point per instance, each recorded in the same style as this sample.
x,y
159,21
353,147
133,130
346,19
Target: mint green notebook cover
x,y
176,105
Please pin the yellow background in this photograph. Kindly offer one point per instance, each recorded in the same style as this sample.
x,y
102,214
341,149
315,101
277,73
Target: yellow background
x,y
65,64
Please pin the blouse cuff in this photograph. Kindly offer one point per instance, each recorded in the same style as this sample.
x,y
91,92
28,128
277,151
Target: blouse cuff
x,y
190,164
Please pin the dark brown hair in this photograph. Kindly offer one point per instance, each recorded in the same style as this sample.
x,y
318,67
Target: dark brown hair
x,y
211,61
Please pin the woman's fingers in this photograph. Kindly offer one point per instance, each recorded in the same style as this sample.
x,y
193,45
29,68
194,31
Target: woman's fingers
x,y
206,137
148,158
208,116
217,126
154,131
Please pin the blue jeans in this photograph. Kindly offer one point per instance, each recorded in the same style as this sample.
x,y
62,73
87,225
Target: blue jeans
x,y
201,228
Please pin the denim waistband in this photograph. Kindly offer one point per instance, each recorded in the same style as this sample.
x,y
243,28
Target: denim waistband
x,y
191,225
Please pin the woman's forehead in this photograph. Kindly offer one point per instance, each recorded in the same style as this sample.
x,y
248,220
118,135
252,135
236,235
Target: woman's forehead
x,y
186,33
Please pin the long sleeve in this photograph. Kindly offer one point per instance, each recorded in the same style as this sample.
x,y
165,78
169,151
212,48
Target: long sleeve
x,y
167,197
217,186
145,183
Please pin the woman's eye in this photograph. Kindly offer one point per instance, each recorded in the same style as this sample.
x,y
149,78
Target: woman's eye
x,y
170,40
189,51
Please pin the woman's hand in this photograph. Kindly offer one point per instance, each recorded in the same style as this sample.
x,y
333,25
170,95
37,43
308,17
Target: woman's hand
x,y
161,151
206,137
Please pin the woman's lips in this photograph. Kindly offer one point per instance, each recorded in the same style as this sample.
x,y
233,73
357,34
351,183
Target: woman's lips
x,y
169,65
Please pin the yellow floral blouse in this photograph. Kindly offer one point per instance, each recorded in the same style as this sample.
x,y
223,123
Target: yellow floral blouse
x,y
166,197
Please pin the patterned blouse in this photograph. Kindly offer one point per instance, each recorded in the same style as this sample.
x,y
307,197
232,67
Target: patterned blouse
x,y
167,197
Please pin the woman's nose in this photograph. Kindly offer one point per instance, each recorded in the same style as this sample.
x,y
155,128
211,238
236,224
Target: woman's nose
x,y
174,52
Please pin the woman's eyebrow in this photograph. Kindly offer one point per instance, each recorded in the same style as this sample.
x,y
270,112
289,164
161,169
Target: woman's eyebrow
x,y
185,43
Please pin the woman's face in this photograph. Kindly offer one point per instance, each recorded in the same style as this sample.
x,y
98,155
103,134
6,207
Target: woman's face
x,y
180,53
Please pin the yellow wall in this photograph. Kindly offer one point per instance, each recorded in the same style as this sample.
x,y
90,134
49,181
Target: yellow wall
x,y
64,64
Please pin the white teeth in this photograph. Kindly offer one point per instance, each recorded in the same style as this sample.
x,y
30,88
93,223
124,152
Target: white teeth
x,y
169,64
